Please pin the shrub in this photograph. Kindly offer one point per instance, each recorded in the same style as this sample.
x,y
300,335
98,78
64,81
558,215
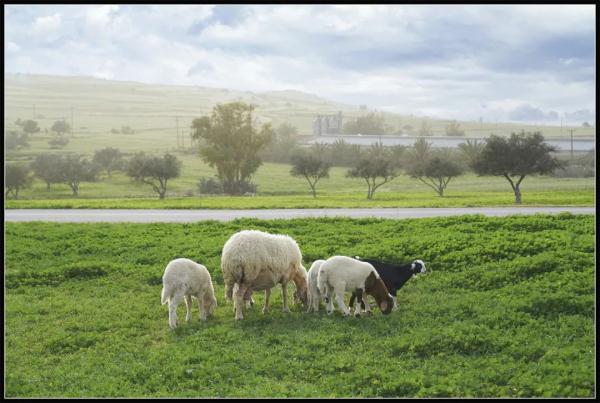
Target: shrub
x,y
210,186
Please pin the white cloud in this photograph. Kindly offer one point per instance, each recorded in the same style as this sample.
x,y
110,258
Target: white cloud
x,y
47,24
432,59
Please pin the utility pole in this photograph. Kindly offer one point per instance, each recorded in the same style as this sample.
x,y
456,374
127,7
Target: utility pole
x,y
177,123
571,130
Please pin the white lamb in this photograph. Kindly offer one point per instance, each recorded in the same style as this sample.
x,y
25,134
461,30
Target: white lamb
x,y
340,274
314,296
255,260
184,279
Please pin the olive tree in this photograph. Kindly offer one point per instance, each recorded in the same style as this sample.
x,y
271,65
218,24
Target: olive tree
x,y
109,158
377,167
16,177
154,171
74,169
436,171
516,157
48,168
311,167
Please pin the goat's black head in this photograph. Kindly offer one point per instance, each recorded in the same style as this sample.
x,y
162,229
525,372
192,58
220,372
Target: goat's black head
x,y
418,267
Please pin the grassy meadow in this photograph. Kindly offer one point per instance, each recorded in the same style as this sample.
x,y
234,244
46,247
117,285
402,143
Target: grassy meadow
x,y
276,188
96,106
506,310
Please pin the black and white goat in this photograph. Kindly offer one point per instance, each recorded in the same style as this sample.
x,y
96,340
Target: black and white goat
x,y
394,276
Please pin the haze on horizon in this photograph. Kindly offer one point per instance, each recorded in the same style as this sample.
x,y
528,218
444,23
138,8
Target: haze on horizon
x,y
529,64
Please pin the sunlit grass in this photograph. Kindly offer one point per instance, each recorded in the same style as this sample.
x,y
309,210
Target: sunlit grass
x,y
506,310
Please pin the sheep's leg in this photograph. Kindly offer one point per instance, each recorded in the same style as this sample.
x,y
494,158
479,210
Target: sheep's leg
x,y
352,298
316,299
395,303
284,295
188,306
173,302
366,307
360,303
248,298
329,300
239,302
339,297
267,296
201,306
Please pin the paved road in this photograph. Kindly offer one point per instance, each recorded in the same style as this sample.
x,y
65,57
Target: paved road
x,y
104,215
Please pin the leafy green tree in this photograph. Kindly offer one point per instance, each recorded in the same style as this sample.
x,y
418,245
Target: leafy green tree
x,y
377,167
436,171
471,150
372,123
516,157
48,168
28,127
109,158
154,171
310,166
15,140
453,129
232,143
16,177
60,127
75,169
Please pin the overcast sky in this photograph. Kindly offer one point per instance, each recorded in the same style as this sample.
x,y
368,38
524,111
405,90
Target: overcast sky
x,y
517,63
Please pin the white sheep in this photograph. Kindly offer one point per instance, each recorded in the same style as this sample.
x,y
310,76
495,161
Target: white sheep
x,y
184,279
341,273
314,296
255,260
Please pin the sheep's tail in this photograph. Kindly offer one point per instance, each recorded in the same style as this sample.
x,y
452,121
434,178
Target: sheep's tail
x,y
230,280
165,295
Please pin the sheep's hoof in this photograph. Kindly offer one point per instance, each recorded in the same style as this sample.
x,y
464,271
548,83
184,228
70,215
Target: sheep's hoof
x,y
357,315
369,313
329,312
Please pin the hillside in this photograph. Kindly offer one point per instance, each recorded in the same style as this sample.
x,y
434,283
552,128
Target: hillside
x,y
99,108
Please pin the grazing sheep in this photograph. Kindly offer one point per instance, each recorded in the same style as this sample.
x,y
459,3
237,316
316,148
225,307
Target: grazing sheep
x,y
254,261
394,276
184,279
341,273
314,296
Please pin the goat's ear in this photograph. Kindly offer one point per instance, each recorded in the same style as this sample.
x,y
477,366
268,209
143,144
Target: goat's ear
x,y
370,281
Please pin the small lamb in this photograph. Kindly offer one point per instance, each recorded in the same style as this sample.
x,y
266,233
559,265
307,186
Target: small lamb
x,y
184,279
341,273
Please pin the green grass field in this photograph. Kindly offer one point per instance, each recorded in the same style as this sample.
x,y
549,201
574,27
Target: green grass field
x,y
506,310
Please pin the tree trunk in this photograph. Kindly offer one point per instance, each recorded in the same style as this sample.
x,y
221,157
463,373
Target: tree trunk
x,y
517,194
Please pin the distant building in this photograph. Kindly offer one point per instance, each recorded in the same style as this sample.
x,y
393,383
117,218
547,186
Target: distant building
x,y
327,124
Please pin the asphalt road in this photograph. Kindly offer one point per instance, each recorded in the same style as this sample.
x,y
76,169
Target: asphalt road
x,y
146,216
